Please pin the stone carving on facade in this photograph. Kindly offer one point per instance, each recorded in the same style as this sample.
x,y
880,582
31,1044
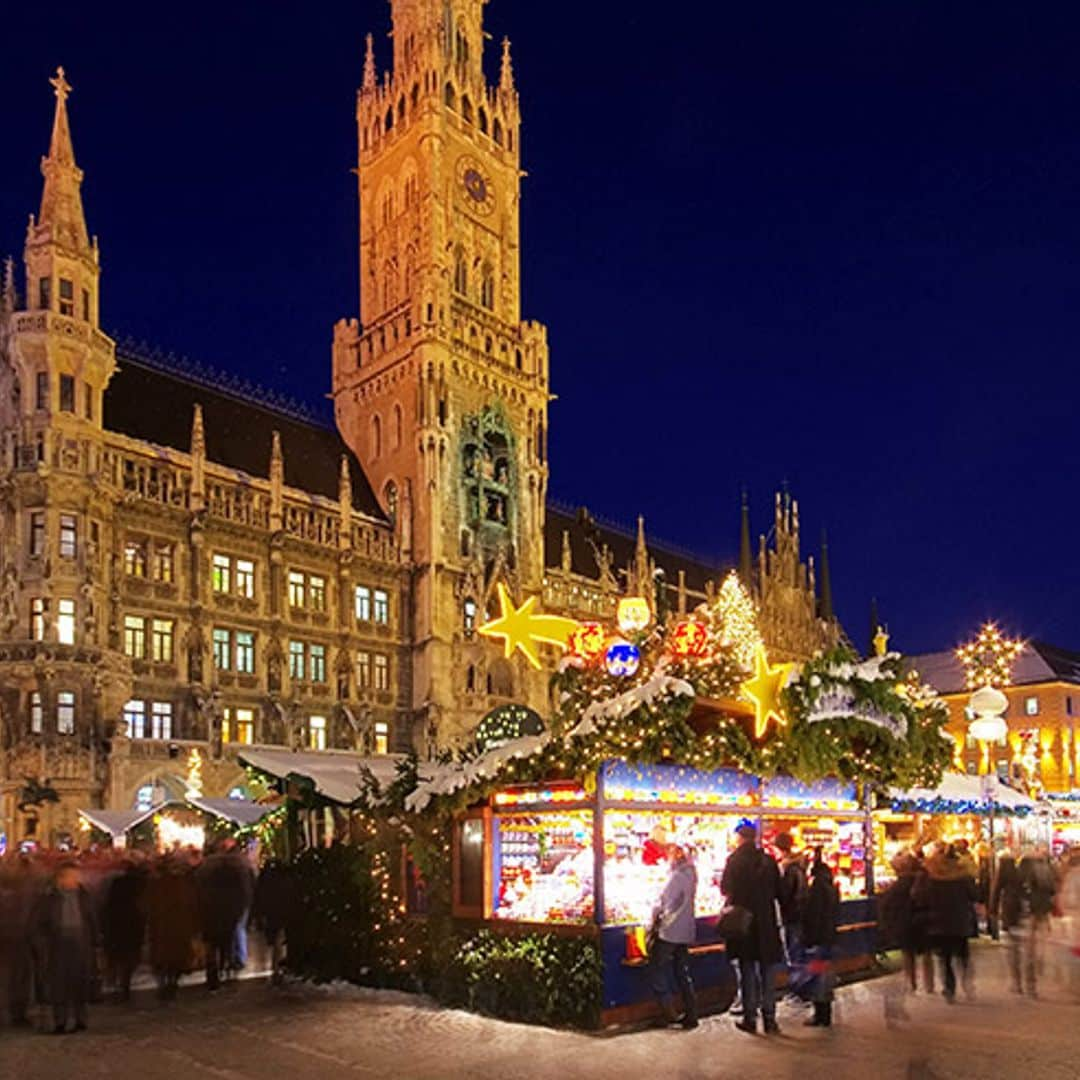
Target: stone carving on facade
x,y
9,599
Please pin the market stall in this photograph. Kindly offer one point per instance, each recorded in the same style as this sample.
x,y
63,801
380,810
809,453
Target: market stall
x,y
590,857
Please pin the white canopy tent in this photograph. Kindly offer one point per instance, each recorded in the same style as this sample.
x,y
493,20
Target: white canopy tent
x,y
968,794
339,777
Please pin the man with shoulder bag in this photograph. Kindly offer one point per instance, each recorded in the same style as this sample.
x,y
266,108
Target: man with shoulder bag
x,y
751,884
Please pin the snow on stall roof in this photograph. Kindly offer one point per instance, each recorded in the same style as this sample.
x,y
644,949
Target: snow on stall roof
x,y
961,788
659,687
117,822
340,777
238,811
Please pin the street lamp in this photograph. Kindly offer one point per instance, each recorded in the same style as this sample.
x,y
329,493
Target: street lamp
x,y
988,704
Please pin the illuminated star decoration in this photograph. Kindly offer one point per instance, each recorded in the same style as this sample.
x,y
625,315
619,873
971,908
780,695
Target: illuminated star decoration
x,y
764,691
989,658
520,628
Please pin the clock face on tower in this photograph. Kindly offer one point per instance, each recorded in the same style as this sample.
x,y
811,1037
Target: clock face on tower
x,y
475,186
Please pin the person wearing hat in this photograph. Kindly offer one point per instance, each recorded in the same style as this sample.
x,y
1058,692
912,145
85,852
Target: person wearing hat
x,y
751,881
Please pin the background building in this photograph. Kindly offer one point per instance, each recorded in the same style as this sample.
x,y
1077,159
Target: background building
x,y
186,562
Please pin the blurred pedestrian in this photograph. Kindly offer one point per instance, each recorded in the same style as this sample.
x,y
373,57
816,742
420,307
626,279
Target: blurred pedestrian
x,y
1008,908
123,924
751,882
902,925
69,930
949,888
674,923
792,898
819,936
1039,883
274,909
225,884
172,907
1068,905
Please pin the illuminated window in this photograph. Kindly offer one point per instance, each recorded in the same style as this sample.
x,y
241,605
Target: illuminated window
x,y
317,732
161,720
245,652
38,607
161,641
222,659
37,532
363,670
296,660
67,393
363,603
135,636
317,593
65,622
65,712
382,738
381,607
135,558
36,713
1031,706
296,589
67,297
221,574
382,671
68,536
470,617
238,726
163,562
317,663
135,718
245,578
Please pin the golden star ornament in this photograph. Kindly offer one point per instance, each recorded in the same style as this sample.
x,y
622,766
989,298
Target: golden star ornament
x,y
764,691
522,628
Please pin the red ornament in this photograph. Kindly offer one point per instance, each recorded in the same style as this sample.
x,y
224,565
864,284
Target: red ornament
x,y
688,639
588,641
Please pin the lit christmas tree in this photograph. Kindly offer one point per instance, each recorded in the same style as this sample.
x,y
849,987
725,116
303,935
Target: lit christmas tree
x,y
194,775
734,619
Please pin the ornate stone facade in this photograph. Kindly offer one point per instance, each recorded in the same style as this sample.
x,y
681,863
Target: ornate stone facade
x,y
187,563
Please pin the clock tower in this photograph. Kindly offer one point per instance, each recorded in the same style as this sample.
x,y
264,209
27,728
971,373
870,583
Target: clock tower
x,y
440,388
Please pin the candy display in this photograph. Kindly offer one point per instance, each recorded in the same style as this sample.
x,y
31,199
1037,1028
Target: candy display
x,y
843,844
544,867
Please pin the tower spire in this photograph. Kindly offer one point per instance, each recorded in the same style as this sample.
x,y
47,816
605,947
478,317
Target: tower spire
x,y
825,605
506,73
369,63
746,555
61,202
7,297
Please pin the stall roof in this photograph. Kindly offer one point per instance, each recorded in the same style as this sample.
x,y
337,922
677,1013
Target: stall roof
x,y
963,790
238,811
118,822
336,776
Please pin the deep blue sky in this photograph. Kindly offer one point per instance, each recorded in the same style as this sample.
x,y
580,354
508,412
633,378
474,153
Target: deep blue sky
x,y
832,244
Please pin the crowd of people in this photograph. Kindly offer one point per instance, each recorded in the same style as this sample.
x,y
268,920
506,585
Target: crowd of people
x,y
74,929
781,916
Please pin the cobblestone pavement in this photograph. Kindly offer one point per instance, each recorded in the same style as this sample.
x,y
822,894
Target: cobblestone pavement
x,y
303,1033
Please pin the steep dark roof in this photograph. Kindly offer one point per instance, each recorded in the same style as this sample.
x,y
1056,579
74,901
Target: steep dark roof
x,y
154,399
622,542
1038,663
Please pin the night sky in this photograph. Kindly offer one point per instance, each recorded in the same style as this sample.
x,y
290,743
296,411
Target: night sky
x,y
829,244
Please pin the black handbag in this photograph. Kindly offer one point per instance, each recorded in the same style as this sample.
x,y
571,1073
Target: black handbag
x,y
734,921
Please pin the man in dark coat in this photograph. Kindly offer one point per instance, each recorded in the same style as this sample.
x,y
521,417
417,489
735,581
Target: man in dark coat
x,y
274,909
949,886
819,936
792,897
751,880
69,930
123,924
226,885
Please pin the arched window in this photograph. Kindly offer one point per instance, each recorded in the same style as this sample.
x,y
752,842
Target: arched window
x,y
399,425
401,109
450,97
487,287
461,273
389,125
466,109
498,132
468,617
470,679
483,120
376,437
390,501
414,97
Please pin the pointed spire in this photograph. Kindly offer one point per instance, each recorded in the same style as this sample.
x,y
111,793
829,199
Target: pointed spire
x,y
567,553
506,75
369,64
277,484
61,202
875,625
682,592
345,503
198,461
641,561
825,605
746,555
7,297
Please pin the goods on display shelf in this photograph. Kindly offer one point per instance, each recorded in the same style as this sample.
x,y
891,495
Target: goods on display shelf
x,y
894,834
544,866
842,842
